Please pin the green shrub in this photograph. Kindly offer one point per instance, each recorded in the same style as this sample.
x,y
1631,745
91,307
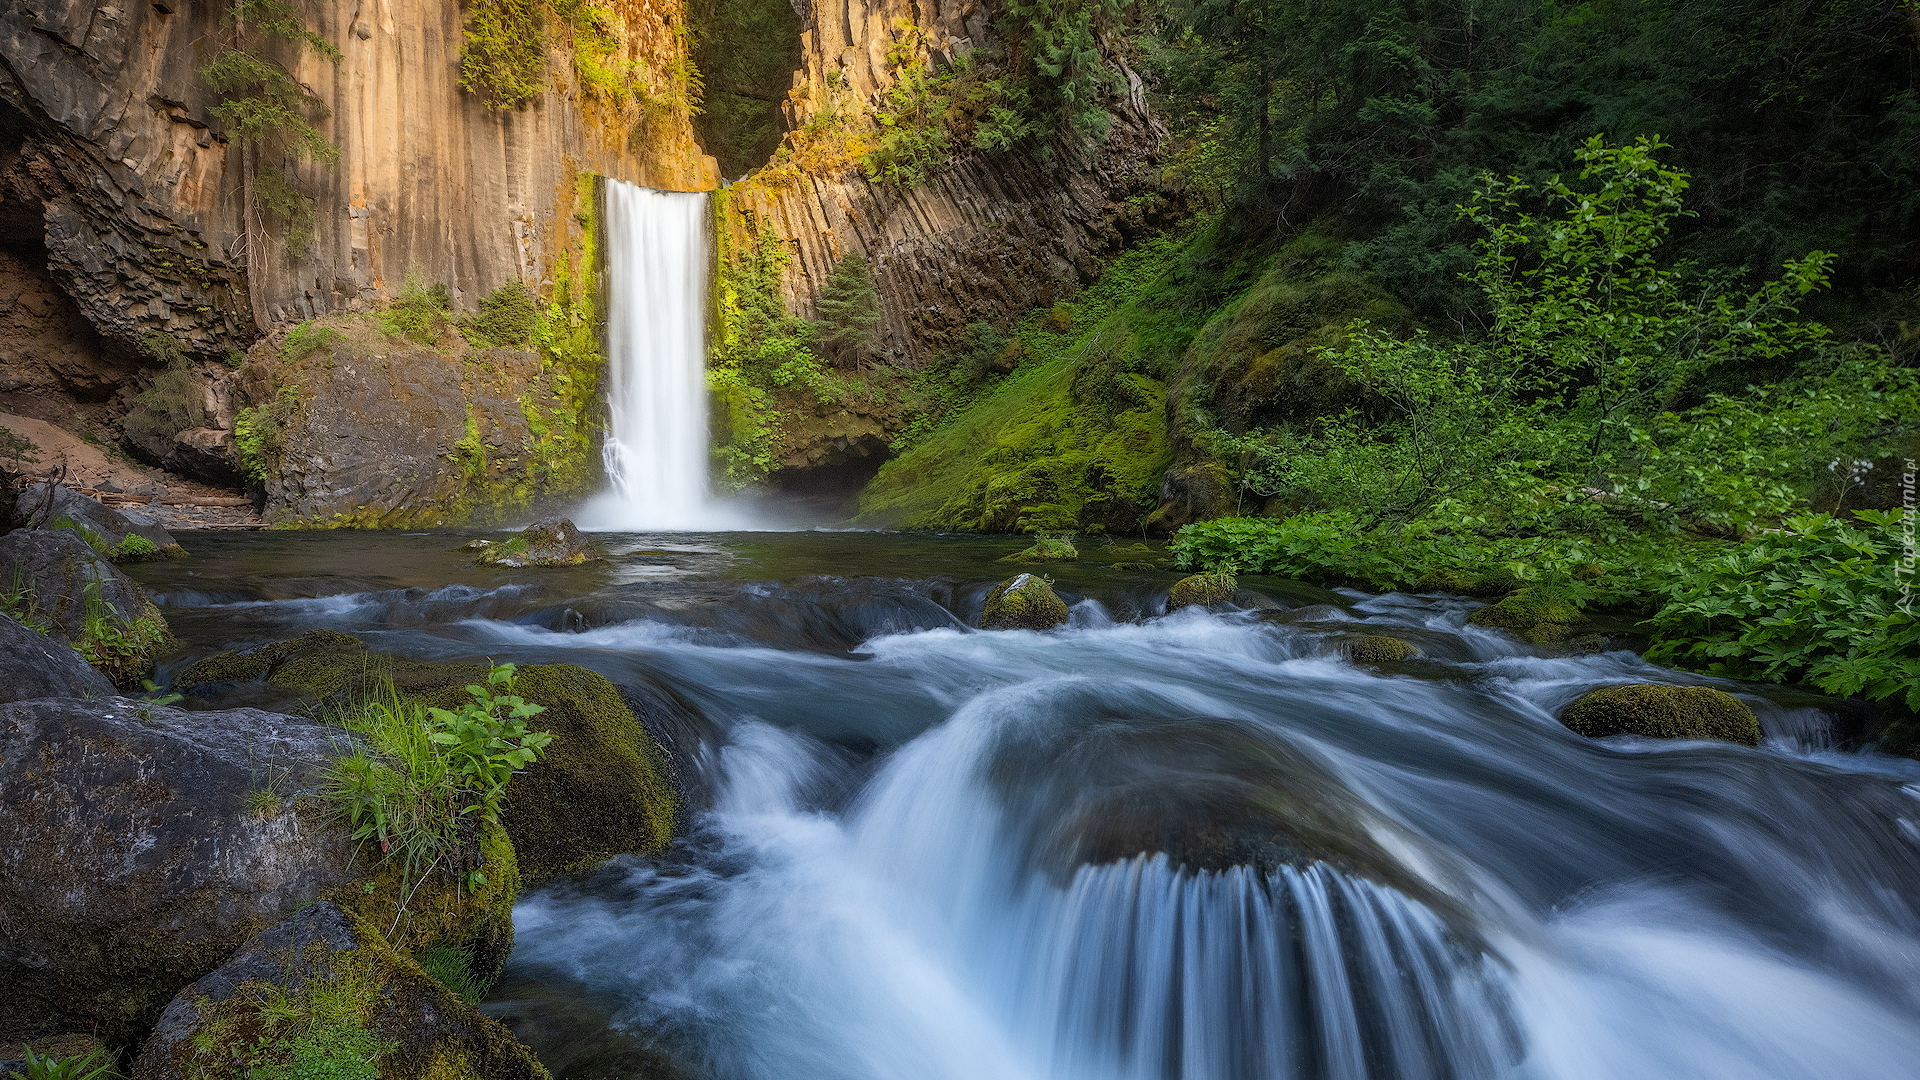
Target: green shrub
x,y
503,57
418,313
506,318
430,772
173,403
849,309
1822,601
306,339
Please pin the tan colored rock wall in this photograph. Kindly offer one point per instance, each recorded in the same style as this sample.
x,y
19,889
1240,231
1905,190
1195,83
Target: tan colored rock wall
x,y
985,239
143,200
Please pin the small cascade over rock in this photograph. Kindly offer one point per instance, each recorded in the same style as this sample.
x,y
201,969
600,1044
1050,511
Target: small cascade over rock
x,y
657,258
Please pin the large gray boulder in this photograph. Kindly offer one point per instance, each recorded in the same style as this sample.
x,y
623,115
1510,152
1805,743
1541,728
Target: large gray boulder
x,y
33,665
55,582
140,845
382,1015
121,536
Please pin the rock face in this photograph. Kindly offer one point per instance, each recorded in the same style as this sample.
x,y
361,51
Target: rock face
x,y
71,592
33,665
134,859
553,542
1025,602
358,1009
369,430
119,536
142,196
987,237
1662,712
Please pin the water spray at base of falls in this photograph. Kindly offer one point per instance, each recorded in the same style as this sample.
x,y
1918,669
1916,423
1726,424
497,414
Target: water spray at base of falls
x,y
656,452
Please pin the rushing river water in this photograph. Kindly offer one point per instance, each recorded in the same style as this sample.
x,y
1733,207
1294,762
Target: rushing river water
x,y
1145,846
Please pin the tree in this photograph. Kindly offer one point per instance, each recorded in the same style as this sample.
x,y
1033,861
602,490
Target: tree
x,y
849,312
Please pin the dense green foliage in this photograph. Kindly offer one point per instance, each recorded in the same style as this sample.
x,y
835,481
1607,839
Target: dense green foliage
x,y
849,312
1799,120
1822,600
747,52
428,772
506,318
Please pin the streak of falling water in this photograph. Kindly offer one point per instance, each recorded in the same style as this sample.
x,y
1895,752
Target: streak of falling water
x,y
656,452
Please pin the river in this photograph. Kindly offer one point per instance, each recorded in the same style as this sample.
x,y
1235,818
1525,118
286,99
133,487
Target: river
x,y
1145,846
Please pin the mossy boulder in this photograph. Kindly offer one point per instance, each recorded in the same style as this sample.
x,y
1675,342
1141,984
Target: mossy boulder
x,y
1453,579
462,907
553,542
137,852
1202,590
1046,549
322,994
120,536
1655,711
603,788
1535,616
33,665
55,582
1026,602
1377,649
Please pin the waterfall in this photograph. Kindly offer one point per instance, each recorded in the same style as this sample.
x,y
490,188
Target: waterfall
x,y
656,448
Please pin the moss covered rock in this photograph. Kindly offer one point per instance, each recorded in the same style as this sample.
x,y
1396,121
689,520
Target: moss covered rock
x,y
322,994
1662,712
1026,602
553,542
55,582
603,788
120,536
1377,649
1541,618
1046,549
1202,590
141,844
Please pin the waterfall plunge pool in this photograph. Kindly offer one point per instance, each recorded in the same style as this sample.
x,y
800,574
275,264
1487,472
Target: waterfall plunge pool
x,y
1144,846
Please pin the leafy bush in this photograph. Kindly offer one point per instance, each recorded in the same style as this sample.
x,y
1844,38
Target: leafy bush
x,y
503,58
305,340
1822,601
506,318
430,772
418,313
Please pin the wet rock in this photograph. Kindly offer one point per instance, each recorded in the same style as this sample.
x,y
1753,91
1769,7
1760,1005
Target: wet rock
x,y
1026,602
56,583
122,537
135,854
1377,649
1202,590
323,994
603,788
1539,618
601,757
1655,711
33,665
553,542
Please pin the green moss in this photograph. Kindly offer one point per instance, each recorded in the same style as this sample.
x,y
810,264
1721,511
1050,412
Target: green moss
x,y
1202,590
354,1009
1026,602
123,650
600,758
1377,649
1662,712
1074,437
1535,615
1046,549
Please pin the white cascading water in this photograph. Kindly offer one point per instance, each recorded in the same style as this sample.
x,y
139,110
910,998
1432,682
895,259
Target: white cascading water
x,y
656,451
